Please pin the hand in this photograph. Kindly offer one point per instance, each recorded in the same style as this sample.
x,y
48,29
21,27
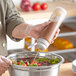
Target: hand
x,y
4,64
35,31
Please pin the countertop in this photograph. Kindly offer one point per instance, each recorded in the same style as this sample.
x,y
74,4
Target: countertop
x,y
65,70
33,15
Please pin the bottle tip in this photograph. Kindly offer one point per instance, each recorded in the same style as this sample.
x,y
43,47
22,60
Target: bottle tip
x,y
63,9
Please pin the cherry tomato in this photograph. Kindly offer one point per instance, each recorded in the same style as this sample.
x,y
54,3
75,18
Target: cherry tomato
x,y
18,63
33,62
38,64
44,6
36,6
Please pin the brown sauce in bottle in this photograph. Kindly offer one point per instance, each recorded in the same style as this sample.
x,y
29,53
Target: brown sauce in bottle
x,y
48,31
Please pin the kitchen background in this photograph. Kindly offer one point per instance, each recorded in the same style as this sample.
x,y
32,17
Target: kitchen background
x,y
64,45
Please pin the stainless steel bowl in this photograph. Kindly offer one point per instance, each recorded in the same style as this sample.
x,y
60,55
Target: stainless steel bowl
x,y
52,70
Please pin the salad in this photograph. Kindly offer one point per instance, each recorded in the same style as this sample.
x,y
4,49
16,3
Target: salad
x,y
37,62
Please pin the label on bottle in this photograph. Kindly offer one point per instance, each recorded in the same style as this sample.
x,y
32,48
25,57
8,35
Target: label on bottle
x,y
57,19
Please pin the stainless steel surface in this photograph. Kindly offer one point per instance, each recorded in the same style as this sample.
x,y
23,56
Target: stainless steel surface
x,y
52,70
64,51
70,19
67,34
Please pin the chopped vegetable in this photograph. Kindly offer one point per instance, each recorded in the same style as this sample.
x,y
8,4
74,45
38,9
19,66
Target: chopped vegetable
x,y
18,63
13,61
22,62
27,63
37,62
34,64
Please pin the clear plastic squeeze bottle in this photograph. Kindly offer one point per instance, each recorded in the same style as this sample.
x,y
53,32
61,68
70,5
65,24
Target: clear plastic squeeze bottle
x,y
47,35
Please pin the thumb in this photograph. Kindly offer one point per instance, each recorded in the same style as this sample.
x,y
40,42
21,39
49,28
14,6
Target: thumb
x,y
43,25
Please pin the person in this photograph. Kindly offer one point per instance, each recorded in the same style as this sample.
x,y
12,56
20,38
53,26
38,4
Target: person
x,y
13,25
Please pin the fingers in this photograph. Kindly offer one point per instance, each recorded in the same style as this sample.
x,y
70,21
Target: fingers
x,y
3,66
42,26
52,41
7,61
55,36
45,24
35,31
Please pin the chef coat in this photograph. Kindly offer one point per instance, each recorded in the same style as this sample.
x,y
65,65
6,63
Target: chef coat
x,y
9,18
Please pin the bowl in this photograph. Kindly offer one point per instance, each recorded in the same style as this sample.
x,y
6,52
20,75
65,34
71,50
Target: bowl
x,y
51,70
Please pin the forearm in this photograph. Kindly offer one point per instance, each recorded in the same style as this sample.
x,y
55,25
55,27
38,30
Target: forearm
x,y
20,31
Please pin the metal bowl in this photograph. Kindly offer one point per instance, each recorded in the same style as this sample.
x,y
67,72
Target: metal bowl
x,y
52,70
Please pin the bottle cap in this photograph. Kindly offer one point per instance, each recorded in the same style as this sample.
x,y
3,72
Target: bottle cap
x,y
74,66
42,44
